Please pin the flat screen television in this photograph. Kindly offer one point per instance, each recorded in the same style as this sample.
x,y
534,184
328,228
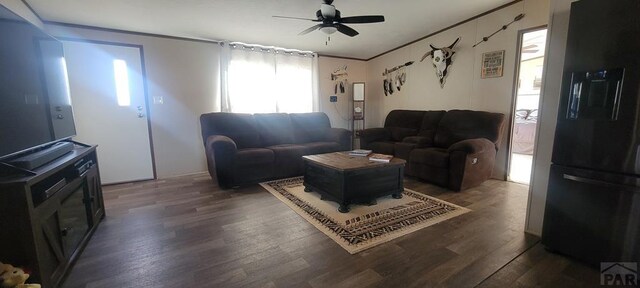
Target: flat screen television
x,y
35,105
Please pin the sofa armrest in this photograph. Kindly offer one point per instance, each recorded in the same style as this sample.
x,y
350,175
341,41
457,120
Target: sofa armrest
x,y
471,162
368,136
472,146
221,151
341,136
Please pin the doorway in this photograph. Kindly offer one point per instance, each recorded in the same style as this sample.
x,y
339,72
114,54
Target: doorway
x,y
526,102
108,93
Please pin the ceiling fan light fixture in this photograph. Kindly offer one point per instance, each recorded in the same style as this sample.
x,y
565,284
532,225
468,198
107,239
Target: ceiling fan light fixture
x,y
329,30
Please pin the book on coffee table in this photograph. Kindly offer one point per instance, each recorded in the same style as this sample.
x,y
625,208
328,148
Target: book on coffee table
x,y
360,153
380,157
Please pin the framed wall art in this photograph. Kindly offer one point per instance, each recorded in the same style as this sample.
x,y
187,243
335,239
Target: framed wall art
x,y
492,64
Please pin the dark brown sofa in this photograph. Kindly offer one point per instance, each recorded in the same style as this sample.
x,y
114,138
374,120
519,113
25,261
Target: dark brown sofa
x,y
454,149
245,148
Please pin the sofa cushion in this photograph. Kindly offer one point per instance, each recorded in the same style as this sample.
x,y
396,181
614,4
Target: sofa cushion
x,y
320,147
436,175
274,128
402,150
241,128
457,125
288,160
404,118
399,133
430,123
382,147
420,141
436,157
251,156
310,127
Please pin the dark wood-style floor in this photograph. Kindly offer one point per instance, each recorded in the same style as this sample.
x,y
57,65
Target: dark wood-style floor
x,y
186,232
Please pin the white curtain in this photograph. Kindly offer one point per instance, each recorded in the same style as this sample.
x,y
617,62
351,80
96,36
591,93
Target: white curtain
x,y
259,80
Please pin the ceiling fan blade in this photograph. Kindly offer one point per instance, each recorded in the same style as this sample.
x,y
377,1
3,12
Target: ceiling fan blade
x,y
296,18
362,19
310,29
344,29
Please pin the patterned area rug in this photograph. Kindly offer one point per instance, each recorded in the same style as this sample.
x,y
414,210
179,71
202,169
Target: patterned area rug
x,y
364,226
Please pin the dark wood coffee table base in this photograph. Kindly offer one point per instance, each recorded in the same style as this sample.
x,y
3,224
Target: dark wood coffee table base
x,y
354,186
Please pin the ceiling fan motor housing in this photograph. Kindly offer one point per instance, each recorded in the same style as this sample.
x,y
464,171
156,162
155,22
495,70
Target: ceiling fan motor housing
x,y
328,11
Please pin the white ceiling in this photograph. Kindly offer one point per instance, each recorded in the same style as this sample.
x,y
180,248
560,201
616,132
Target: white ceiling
x,y
250,21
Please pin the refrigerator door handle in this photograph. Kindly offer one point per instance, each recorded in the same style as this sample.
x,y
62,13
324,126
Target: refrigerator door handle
x,y
600,182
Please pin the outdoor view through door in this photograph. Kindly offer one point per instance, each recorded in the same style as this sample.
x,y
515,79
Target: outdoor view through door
x,y
529,84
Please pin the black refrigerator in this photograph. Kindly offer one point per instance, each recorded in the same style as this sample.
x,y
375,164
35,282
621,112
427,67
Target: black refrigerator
x,y
593,202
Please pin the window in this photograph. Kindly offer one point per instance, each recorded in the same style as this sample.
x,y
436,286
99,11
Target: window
x,y
121,76
260,81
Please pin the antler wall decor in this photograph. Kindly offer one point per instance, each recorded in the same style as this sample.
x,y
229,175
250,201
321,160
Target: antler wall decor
x,y
504,27
441,60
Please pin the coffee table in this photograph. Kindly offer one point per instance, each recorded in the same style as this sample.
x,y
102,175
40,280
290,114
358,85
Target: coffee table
x,y
351,179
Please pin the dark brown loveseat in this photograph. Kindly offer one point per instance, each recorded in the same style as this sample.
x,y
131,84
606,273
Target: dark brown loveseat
x,y
246,148
454,149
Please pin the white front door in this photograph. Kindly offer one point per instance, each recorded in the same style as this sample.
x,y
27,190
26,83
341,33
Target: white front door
x,y
108,98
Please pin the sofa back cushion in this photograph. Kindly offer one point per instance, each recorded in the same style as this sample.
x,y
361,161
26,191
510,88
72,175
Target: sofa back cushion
x,y
430,123
241,128
403,123
274,128
458,125
309,127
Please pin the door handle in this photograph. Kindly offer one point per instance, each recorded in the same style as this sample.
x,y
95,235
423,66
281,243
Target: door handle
x,y
140,114
600,182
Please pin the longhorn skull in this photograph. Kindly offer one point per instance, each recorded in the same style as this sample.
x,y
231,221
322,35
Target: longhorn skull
x,y
441,60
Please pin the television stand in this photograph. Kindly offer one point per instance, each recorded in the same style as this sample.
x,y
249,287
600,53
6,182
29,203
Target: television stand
x,y
48,216
7,169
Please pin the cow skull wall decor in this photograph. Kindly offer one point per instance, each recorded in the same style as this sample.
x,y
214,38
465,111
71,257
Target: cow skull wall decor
x,y
441,59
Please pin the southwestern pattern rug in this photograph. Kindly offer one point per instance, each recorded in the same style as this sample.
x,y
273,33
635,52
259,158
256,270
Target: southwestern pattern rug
x,y
364,226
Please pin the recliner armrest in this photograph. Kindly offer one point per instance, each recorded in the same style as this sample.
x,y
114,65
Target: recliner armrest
x,y
370,135
471,162
341,136
472,146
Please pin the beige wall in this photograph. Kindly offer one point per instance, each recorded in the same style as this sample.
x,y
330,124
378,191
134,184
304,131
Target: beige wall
x,y
184,74
340,112
464,88
550,97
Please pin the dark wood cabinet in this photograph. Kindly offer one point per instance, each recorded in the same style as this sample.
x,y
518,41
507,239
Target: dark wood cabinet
x,y
94,201
45,219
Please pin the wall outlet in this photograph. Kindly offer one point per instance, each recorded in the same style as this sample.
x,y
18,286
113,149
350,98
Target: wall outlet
x,y
333,98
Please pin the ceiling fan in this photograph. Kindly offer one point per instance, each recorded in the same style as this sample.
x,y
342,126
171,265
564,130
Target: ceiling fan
x,y
333,22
